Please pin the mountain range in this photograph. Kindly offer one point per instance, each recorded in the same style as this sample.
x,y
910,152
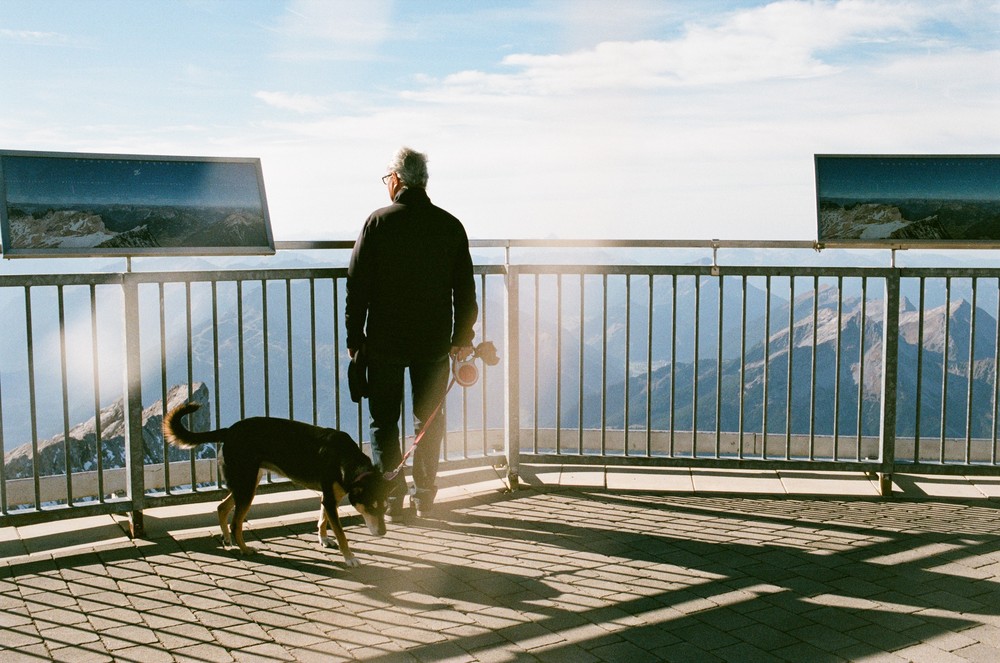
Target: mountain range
x,y
81,452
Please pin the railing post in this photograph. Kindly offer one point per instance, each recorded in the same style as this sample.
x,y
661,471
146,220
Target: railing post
x,y
890,365
512,401
134,447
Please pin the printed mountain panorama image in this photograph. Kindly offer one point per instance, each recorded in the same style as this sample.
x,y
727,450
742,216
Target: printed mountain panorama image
x,y
969,220
134,226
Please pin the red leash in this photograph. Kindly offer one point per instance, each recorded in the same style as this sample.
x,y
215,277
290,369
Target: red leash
x,y
389,476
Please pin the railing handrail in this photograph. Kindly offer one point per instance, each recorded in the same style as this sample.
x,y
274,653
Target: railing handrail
x,y
809,244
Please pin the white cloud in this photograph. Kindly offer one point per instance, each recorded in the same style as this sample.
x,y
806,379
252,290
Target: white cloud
x,y
780,40
300,103
334,29
33,37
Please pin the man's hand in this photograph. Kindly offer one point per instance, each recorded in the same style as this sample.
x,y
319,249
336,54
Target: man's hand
x,y
461,353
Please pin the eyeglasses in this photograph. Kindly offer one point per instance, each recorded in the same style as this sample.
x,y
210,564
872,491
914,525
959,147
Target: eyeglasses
x,y
385,178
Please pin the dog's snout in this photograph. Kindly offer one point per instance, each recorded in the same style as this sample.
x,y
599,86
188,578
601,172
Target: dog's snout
x,y
376,526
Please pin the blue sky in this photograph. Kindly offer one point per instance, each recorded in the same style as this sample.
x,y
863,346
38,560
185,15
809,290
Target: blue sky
x,y
575,119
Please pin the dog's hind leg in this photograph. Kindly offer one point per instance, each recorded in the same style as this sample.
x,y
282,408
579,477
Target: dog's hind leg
x,y
242,495
322,525
242,508
328,514
224,509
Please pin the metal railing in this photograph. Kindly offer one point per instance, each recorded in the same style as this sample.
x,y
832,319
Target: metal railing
x,y
864,369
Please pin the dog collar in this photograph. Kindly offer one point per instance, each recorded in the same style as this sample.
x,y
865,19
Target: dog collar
x,y
360,477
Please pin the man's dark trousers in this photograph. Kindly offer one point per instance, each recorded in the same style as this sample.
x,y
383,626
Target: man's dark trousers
x,y
429,382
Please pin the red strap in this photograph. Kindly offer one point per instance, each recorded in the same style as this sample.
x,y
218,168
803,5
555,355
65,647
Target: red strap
x,y
389,476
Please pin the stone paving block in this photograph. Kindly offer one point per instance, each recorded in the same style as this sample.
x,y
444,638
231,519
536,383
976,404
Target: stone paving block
x,y
206,652
570,654
33,653
979,653
90,653
684,652
72,636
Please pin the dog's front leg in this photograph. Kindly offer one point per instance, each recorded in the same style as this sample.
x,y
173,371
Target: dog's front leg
x,y
328,514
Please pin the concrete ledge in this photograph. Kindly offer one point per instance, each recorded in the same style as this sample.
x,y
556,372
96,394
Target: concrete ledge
x,y
294,507
754,482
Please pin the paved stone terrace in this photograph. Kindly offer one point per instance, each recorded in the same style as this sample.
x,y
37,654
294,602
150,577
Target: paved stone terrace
x,y
575,568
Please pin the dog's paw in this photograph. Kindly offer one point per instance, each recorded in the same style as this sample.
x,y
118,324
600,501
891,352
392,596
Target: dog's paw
x,y
327,542
352,562
246,551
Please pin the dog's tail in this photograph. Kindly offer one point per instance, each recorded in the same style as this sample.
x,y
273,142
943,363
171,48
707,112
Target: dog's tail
x,y
177,434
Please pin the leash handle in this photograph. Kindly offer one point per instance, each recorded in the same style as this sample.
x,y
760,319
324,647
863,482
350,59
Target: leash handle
x,y
389,476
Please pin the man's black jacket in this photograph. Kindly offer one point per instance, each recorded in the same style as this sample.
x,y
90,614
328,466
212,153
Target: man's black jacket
x,y
411,294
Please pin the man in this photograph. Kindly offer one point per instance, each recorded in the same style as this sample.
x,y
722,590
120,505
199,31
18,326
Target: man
x,y
411,303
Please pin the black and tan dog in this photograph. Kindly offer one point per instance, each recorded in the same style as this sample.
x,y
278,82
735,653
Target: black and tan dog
x,y
322,459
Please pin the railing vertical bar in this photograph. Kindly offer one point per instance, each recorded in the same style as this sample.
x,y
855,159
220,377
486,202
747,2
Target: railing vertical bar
x,y
190,373
890,371
944,371
312,348
96,368
628,359
582,346
288,348
673,361
996,381
215,376
443,449
265,335
812,370
972,358
163,385
604,366
743,360
336,353
537,342
134,463
767,364
694,364
721,285
485,391
558,362
836,369
918,401
240,350
791,355
511,359
649,371
862,323
64,374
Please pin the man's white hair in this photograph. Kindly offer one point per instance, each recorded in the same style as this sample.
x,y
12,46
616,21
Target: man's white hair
x,y
411,166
